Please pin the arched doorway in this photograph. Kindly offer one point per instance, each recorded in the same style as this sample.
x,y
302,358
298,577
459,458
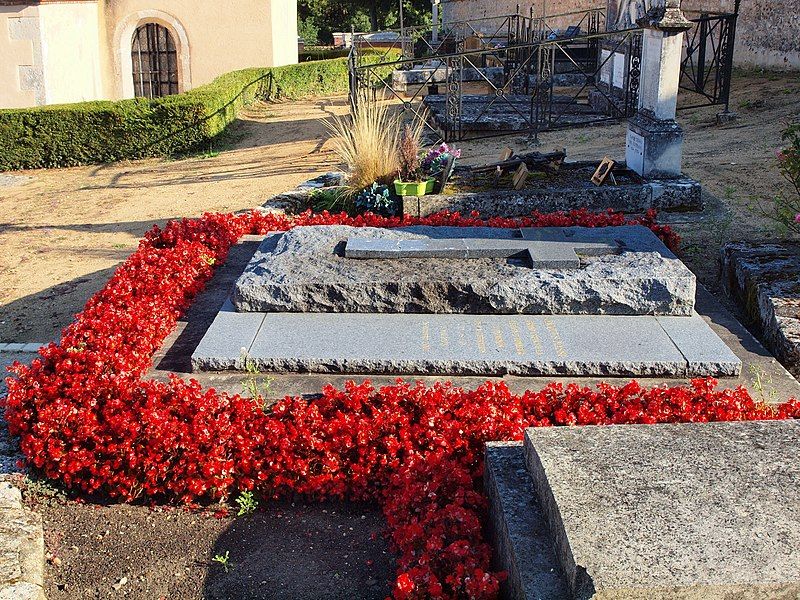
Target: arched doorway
x,y
154,59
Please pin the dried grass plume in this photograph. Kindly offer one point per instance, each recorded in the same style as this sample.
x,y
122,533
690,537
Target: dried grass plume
x,y
367,143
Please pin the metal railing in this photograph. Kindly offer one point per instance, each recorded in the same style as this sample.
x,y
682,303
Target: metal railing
x,y
430,41
707,66
537,86
532,75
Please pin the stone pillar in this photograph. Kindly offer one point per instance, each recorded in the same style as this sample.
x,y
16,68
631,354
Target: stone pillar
x,y
655,140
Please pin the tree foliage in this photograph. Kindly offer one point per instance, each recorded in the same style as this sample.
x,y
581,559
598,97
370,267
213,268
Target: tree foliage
x,y
321,18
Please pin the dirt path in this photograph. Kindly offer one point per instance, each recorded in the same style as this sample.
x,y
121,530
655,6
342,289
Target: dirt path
x,y
64,231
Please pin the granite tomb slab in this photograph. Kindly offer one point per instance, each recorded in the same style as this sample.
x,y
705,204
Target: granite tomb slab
x,y
306,270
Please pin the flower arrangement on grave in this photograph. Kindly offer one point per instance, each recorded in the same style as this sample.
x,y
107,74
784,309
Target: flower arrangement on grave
x,y
434,162
411,178
366,142
377,199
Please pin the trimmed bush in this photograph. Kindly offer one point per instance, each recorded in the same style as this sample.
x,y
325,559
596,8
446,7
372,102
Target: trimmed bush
x,y
97,132
322,53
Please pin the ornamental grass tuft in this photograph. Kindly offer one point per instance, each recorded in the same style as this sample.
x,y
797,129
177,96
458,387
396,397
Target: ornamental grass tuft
x,y
366,142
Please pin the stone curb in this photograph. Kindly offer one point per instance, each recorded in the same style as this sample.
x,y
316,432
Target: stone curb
x,y
21,548
20,348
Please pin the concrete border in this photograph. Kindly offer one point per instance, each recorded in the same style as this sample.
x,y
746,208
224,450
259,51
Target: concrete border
x,y
21,548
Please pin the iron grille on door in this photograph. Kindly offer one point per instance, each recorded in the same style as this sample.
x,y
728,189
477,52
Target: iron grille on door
x,y
155,62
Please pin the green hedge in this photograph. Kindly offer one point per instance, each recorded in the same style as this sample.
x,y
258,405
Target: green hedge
x,y
97,132
322,53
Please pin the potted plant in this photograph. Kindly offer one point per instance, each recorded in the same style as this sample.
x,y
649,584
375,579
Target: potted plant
x,y
411,180
434,162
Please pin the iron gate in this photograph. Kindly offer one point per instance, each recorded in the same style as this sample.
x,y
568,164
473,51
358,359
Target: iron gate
x,y
708,58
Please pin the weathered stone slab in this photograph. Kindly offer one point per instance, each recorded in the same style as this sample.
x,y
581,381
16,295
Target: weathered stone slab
x,y
511,112
305,270
558,250
684,511
519,534
466,345
228,339
765,279
681,194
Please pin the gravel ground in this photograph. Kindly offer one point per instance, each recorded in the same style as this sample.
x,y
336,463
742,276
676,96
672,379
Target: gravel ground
x,y
9,452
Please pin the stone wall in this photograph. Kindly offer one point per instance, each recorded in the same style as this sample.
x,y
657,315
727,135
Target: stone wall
x,y
461,10
49,53
768,33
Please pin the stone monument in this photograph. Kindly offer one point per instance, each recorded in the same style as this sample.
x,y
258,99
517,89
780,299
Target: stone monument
x,y
682,511
465,301
655,140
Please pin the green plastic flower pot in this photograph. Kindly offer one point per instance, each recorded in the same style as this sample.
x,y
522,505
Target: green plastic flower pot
x,y
413,188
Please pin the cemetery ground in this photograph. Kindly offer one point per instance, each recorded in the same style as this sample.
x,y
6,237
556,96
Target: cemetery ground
x,y
65,231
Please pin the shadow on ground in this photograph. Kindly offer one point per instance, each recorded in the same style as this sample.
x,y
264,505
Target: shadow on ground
x,y
40,317
289,550
231,159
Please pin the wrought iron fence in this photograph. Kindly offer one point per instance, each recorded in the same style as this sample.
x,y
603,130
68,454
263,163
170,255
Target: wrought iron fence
x,y
526,88
527,75
485,33
707,65
604,70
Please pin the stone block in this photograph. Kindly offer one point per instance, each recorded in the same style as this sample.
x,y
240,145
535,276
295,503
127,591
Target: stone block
x,y
454,344
10,497
21,548
518,530
305,270
543,248
689,511
227,340
765,279
654,148
707,356
673,194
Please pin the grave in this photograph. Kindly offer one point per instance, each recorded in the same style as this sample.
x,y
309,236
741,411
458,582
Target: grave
x,y
508,112
701,510
308,270
465,301
571,187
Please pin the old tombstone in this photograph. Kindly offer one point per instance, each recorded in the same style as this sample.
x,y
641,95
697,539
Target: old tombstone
x,y
450,300
654,142
695,510
625,270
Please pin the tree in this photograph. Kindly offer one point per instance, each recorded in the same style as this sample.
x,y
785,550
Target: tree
x,y
327,16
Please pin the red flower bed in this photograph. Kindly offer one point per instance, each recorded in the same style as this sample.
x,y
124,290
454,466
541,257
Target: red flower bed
x,y
85,415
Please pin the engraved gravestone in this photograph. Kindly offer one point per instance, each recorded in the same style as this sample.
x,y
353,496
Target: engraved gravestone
x,y
465,300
